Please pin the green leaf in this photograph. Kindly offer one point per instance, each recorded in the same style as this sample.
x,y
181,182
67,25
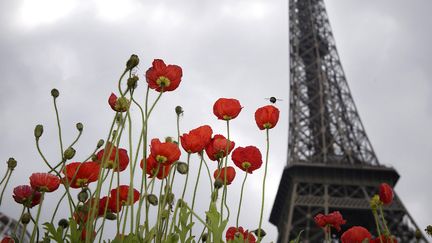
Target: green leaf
x,y
297,240
75,234
216,228
53,233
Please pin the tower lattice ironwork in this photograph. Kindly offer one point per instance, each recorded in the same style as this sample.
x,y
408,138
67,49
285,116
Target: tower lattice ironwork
x,y
331,163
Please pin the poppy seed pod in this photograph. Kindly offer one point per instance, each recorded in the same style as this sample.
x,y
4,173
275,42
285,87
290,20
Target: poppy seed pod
x,y
55,93
152,199
38,131
12,163
218,183
132,62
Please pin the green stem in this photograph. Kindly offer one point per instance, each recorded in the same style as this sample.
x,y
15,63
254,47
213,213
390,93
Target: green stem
x,y
159,213
208,172
4,177
263,187
19,221
187,177
195,191
23,233
106,207
241,198
7,181
37,218
374,212
58,126
57,207
387,231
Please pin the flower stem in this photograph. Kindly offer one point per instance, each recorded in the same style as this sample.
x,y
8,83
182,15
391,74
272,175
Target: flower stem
x,y
195,190
374,212
263,187
7,181
241,197
58,126
37,218
387,231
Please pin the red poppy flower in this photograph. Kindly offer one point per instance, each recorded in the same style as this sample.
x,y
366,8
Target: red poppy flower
x,y
25,195
113,152
120,105
153,166
160,76
8,239
385,239
197,139
44,182
266,117
247,236
123,192
355,234
217,147
333,219
81,174
248,158
165,153
226,109
230,174
386,193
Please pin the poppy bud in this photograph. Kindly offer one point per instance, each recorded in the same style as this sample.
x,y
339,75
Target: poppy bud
x,y
79,126
429,230
38,131
132,82
170,198
55,93
263,233
132,62
164,214
110,216
64,223
152,199
12,163
69,153
83,195
218,183
181,203
100,143
418,234
204,237
25,219
179,110
182,168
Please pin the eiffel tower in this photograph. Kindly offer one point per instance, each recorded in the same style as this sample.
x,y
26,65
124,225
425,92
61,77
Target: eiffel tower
x,y
331,163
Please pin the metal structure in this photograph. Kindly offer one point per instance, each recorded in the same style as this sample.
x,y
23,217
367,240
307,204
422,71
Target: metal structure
x,y
9,226
331,163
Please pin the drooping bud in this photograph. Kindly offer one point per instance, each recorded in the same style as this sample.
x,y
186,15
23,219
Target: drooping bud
x,y
64,223
69,153
25,219
110,216
83,195
182,168
263,233
100,143
38,131
12,163
132,82
218,183
204,237
79,126
55,93
152,199
132,62
179,110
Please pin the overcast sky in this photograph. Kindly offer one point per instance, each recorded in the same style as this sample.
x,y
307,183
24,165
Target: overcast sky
x,y
226,48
